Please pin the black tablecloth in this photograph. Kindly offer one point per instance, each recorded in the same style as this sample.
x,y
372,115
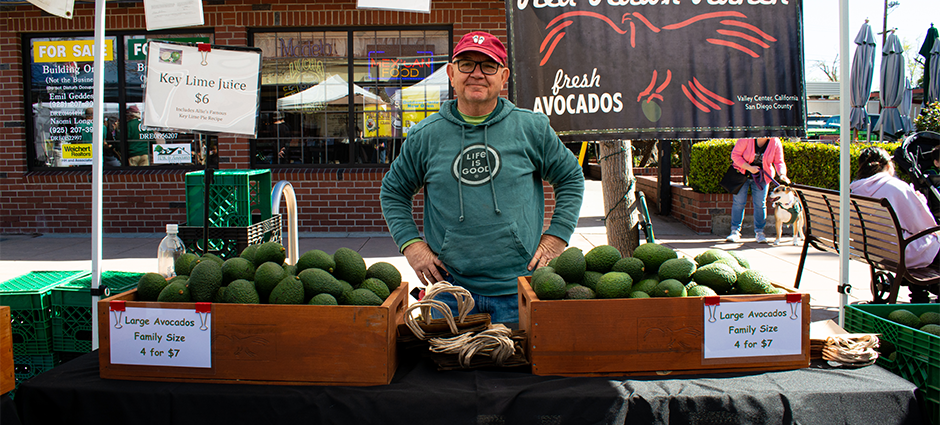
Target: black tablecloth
x,y
74,394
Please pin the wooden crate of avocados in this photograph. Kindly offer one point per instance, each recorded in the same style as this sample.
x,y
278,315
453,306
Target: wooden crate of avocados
x,y
7,376
627,337
302,344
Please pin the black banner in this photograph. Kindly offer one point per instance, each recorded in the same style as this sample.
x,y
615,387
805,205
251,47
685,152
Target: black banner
x,y
660,69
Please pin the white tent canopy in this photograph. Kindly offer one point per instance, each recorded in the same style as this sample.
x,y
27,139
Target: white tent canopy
x,y
332,91
436,81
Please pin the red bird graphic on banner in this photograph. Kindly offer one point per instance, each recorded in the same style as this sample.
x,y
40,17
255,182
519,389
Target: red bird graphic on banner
x,y
731,32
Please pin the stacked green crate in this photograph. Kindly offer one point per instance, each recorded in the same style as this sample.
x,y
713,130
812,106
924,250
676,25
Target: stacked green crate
x,y
917,355
237,198
71,309
25,367
30,300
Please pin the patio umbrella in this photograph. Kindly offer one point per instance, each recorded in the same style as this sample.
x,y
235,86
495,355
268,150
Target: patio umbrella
x,y
930,61
863,67
892,87
933,88
905,107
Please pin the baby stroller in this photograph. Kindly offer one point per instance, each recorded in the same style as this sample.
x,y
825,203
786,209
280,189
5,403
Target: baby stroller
x,y
915,157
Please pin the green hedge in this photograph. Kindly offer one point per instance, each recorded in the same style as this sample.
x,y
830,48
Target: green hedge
x,y
808,163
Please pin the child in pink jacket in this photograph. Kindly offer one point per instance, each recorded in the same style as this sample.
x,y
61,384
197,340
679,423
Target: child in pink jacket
x,y
762,160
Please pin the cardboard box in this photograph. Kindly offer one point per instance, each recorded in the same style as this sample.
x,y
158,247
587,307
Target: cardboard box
x,y
302,344
624,337
7,378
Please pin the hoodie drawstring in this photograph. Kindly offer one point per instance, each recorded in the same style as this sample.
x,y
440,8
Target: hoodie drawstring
x,y
489,168
463,142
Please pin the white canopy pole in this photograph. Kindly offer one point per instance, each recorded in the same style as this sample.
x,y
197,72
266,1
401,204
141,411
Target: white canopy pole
x,y
844,161
96,166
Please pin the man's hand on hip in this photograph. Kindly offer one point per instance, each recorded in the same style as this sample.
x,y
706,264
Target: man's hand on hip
x,y
549,248
424,262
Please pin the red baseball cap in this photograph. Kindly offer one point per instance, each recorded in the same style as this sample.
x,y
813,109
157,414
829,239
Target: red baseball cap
x,y
483,42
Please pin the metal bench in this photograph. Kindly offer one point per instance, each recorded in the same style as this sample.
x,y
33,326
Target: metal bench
x,y
875,238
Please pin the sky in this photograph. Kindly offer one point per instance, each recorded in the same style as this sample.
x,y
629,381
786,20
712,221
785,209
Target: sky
x,y
912,18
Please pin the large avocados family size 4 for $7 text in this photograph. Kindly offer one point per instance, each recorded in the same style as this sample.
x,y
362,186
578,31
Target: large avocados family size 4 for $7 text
x,y
259,276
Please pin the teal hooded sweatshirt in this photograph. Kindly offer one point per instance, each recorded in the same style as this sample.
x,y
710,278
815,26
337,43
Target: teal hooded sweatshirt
x,y
484,202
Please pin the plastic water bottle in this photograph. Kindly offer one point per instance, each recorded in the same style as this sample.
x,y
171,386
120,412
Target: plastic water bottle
x,y
171,247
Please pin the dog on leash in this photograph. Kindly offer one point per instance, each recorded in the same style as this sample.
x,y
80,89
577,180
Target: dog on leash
x,y
788,211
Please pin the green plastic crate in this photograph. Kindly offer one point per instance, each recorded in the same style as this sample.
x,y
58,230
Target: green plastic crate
x,y
229,242
26,367
71,309
237,198
917,358
30,299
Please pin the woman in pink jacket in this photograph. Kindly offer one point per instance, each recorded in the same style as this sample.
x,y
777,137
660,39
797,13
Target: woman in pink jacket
x,y
752,156
876,179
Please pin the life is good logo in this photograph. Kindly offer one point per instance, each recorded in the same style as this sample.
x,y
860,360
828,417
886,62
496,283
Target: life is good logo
x,y
476,164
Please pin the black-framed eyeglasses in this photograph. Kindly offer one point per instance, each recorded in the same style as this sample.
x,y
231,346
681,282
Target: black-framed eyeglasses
x,y
467,66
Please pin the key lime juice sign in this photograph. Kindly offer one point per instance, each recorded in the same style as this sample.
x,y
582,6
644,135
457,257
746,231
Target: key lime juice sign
x,y
202,88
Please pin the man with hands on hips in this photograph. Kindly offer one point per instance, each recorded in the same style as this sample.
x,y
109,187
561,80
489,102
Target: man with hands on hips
x,y
481,162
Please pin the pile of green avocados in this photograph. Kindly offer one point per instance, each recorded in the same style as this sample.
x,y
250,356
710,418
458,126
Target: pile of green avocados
x,y
653,271
259,276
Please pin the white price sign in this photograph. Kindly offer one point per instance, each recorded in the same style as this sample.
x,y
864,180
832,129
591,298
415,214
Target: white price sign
x,y
161,336
753,329
202,88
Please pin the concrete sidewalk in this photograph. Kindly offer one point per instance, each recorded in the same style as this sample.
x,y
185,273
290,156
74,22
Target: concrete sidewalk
x,y
21,254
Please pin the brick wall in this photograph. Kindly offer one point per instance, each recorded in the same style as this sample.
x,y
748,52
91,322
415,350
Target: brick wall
x,y
329,200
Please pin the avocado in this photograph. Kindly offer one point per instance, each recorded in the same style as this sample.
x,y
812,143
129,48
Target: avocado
x,y
150,285
317,281
614,285
349,266
377,286
540,271
639,294
741,260
176,292
928,318
249,253
241,291
270,251
710,256
591,278
570,265
700,291
237,268
654,255
904,317
931,329
601,258
646,285
386,272
718,276
669,288
316,258
289,290
267,276
579,292
323,299
680,269
184,263
549,286
362,296
754,282
212,257
205,281
632,266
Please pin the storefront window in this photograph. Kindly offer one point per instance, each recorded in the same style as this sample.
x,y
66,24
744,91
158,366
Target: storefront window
x,y
61,98
307,114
